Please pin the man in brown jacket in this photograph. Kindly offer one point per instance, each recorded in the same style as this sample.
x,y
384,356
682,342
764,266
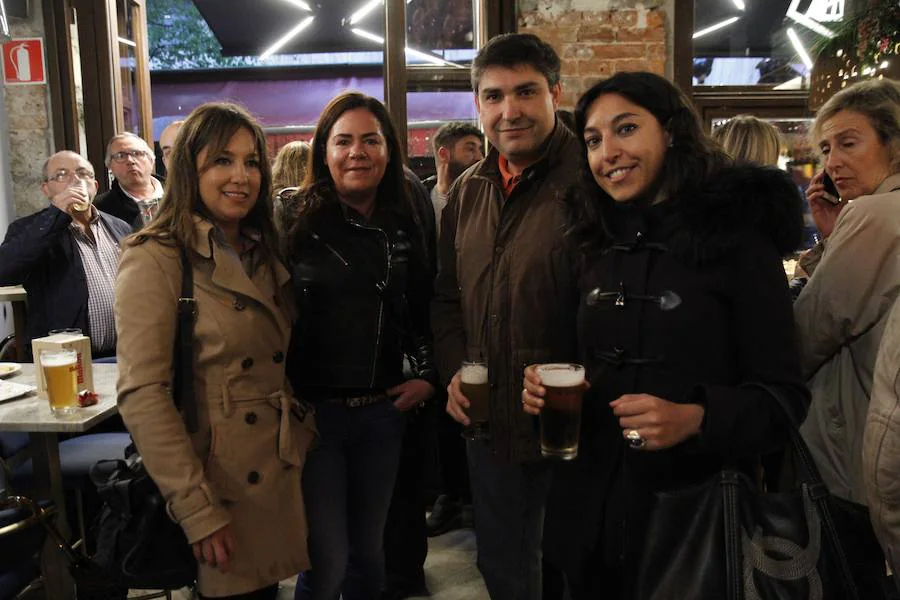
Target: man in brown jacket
x,y
505,293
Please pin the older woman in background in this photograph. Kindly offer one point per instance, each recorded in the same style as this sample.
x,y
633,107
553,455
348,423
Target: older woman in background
x,y
746,138
363,284
846,307
234,484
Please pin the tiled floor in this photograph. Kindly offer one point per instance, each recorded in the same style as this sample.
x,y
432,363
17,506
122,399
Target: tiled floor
x,y
450,570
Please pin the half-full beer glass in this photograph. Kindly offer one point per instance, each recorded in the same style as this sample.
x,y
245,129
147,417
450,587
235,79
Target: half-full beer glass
x,y
81,186
474,384
561,415
61,376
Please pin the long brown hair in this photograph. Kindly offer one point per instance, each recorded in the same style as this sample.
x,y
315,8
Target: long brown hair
x,y
210,127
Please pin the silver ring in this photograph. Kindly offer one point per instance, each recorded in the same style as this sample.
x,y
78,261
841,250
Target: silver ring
x,y
634,439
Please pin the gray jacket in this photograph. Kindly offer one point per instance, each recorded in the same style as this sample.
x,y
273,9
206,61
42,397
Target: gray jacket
x,y
841,315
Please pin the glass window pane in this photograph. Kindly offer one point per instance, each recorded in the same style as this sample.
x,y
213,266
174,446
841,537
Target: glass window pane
x,y
440,32
125,19
131,105
760,42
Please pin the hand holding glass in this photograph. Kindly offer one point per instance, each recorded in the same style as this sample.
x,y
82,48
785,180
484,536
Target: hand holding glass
x,y
474,385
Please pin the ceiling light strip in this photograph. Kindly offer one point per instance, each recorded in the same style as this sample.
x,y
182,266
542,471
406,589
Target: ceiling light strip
x,y
739,4
798,47
436,60
795,15
299,4
287,37
716,27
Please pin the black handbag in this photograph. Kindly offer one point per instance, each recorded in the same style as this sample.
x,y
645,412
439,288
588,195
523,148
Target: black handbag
x,y
727,539
138,545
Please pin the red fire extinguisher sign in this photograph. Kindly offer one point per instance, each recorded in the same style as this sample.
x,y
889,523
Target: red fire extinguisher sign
x,y
23,62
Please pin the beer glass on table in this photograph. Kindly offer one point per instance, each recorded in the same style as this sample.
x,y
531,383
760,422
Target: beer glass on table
x,y
61,377
474,385
561,415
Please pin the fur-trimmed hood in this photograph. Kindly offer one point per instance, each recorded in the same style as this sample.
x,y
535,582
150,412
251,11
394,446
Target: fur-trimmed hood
x,y
735,202
710,220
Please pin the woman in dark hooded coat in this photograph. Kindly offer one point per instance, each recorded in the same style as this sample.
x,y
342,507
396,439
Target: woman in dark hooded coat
x,y
684,302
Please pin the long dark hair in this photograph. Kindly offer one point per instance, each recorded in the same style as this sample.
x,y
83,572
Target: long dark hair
x,y
690,160
210,126
318,186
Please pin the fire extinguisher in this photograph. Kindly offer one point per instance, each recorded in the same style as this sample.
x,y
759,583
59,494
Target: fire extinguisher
x,y
21,61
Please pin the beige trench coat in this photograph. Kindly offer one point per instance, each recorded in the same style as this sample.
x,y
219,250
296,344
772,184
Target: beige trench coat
x,y
243,465
841,315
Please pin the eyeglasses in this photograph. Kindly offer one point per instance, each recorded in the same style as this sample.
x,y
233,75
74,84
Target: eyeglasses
x,y
64,175
124,155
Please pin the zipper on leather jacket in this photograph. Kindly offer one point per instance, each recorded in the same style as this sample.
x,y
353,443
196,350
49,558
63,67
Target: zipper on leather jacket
x,y
383,286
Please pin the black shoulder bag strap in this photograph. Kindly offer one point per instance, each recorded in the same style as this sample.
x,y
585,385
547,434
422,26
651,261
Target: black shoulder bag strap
x,y
183,380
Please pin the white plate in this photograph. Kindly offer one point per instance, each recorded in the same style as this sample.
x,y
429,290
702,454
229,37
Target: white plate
x,y
10,390
7,369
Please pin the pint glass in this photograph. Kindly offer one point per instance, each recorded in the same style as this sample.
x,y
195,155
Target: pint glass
x,y
561,416
61,376
81,186
474,385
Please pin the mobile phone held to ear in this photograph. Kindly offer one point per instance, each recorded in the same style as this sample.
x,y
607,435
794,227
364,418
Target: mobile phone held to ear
x,y
832,196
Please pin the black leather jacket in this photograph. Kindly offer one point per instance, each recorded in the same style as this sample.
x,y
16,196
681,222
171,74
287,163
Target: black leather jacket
x,y
363,290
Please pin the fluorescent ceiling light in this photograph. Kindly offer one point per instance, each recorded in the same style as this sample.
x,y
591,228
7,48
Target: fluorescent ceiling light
x,y
716,27
435,60
739,4
286,37
798,47
795,15
366,8
360,14
299,4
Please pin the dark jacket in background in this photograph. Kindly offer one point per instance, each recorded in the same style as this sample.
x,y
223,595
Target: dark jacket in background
x,y
39,253
362,290
118,204
505,291
688,301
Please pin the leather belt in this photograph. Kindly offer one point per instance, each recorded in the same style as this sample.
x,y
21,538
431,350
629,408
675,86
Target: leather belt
x,y
358,401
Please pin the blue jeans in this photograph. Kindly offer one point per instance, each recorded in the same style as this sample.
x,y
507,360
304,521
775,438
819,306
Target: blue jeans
x,y
347,485
509,500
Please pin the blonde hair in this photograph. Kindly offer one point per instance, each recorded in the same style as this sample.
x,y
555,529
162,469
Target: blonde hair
x,y
879,101
289,167
749,139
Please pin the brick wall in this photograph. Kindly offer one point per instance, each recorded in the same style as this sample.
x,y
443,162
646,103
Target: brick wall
x,y
596,38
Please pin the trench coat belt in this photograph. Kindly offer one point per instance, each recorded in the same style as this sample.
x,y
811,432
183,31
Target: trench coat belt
x,y
287,444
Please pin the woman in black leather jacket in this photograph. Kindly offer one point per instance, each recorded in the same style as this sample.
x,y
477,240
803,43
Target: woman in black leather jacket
x,y
362,285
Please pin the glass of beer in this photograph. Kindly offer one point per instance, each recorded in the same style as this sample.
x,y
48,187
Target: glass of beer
x,y
561,415
474,384
61,377
81,186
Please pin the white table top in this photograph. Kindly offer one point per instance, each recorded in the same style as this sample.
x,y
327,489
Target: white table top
x,y
11,293
31,413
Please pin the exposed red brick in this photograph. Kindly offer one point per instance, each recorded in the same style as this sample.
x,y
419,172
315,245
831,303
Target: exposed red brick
x,y
619,50
596,33
597,67
572,17
625,18
640,35
620,66
656,18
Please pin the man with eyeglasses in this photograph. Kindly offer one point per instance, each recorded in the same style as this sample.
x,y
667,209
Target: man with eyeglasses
x,y
66,256
135,193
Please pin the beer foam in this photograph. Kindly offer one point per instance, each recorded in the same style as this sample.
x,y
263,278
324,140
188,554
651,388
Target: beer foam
x,y
474,374
561,375
58,360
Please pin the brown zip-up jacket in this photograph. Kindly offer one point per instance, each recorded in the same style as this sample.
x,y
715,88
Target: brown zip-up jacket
x,y
506,289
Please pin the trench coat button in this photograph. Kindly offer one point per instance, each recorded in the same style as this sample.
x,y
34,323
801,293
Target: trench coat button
x,y
253,478
238,305
250,418
498,250
246,363
278,357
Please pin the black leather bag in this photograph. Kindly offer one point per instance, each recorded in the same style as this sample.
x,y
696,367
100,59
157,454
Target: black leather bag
x,y
138,545
726,539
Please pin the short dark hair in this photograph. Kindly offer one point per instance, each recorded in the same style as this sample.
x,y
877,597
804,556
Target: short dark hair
x,y
449,133
513,49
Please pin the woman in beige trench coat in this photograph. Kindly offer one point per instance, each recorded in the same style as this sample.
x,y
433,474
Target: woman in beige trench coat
x,y
234,485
